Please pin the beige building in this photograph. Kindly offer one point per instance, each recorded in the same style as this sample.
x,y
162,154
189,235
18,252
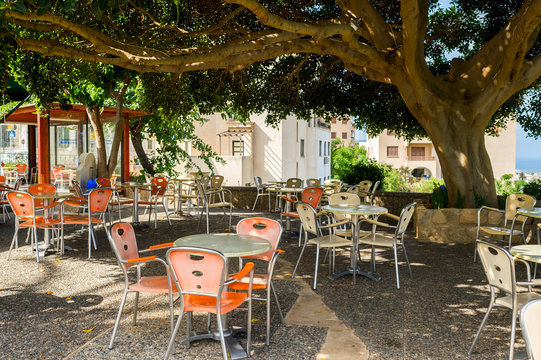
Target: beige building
x,y
344,130
420,157
296,148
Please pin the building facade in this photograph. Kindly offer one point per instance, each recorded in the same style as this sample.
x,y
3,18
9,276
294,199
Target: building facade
x,y
344,130
420,156
296,148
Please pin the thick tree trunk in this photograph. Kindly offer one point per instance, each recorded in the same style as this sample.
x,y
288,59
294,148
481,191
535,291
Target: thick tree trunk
x,y
137,142
466,166
95,119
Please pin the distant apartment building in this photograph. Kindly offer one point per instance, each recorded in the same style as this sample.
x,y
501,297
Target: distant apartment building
x,y
420,156
344,130
296,148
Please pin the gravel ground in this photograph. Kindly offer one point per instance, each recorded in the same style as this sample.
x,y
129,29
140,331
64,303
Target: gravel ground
x,y
65,307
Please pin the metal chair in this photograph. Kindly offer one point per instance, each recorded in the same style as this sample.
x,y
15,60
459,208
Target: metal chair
x,y
310,196
308,216
270,230
23,207
61,179
156,192
22,171
199,276
512,203
372,192
207,203
312,182
261,191
499,266
98,201
116,200
530,324
294,183
124,245
394,241
345,199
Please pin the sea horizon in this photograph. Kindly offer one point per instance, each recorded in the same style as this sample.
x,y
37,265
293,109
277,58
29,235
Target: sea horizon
x,y
529,165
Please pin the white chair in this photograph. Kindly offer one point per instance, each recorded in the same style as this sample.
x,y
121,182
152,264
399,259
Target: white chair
x,y
310,225
394,241
530,323
206,200
507,229
499,267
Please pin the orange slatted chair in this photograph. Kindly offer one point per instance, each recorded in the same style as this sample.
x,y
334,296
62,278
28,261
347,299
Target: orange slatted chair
x,y
311,196
60,178
116,200
98,200
41,189
22,204
21,171
79,201
124,245
199,277
158,190
270,230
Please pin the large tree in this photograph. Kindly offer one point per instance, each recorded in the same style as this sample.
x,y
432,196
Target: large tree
x,y
390,42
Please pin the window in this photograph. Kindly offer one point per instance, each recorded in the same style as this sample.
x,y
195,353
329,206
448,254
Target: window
x,y
320,143
344,135
149,144
344,122
333,134
333,121
302,147
329,148
392,151
390,132
238,148
417,153
353,134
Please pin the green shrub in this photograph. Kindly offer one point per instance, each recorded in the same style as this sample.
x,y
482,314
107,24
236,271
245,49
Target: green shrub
x,y
351,165
533,188
439,197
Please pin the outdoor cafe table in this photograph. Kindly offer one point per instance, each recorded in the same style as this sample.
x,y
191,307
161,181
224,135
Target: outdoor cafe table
x,y
232,246
356,212
179,182
288,192
136,186
533,213
46,197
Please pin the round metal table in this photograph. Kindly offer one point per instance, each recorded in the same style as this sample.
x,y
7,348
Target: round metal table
x,y
356,212
232,246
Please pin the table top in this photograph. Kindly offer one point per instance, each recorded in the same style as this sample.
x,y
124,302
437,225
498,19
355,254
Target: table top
x,y
135,184
355,210
229,244
58,195
527,252
534,212
285,190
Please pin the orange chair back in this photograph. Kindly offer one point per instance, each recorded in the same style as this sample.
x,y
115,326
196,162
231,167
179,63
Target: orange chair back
x,y
103,182
161,184
99,199
198,271
2,179
22,203
21,167
124,242
312,195
269,229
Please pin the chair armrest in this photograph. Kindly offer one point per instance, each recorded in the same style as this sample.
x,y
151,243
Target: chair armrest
x,y
289,199
488,208
245,271
140,260
159,246
78,198
51,205
338,223
392,216
379,223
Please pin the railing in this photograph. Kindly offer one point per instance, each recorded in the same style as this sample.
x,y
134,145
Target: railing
x,y
421,158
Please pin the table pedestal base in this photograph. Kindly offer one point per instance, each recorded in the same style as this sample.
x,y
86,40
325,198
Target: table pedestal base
x,y
349,271
232,345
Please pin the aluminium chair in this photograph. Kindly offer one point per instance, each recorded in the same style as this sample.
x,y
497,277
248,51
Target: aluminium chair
x,y
61,179
502,232
270,230
124,244
499,266
199,276
308,216
23,207
261,191
530,323
207,203
98,201
157,193
372,192
312,182
391,241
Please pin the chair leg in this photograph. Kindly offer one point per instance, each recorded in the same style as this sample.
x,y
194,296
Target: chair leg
x,y
317,263
268,313
135,305
277,303
13,241
513,331
483,322
221,331
36,240
300,234
249,326
173,336
189,318
407,260
255,202
166,211
300,255
396,267
230,215
122,302
207,211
